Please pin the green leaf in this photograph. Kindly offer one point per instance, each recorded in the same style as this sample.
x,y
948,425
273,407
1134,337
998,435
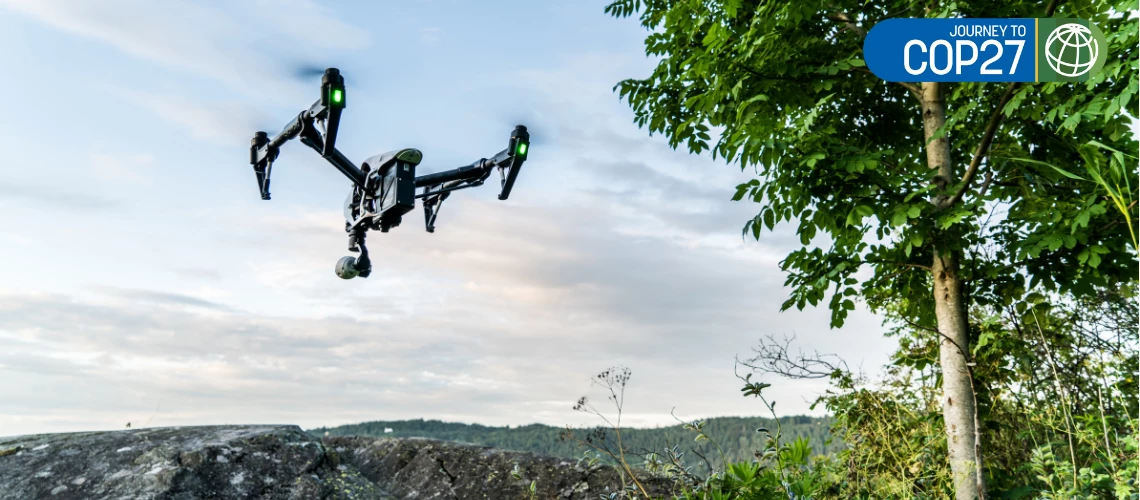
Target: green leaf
x,y
983,340
1054,242
757,74
899,218
1050,165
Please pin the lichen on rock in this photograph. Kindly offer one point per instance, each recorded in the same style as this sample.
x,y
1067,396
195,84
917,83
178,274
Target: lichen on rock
x,y
282,462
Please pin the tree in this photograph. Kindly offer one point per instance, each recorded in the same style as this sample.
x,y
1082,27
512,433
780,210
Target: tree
x,y
950,196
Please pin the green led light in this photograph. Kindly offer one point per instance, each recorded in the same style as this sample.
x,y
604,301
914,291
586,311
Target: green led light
x,y
337,95
522,149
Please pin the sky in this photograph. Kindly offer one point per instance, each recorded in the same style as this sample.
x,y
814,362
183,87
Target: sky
x,y
143,280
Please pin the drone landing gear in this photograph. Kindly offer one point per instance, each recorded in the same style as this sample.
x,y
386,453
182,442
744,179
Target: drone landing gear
x,y
432,205
349,267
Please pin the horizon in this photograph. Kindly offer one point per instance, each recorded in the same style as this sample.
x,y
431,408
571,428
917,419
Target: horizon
x,y
505,426
655,425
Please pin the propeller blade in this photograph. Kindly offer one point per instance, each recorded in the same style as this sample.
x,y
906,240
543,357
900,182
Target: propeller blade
x,y
533,122
308,72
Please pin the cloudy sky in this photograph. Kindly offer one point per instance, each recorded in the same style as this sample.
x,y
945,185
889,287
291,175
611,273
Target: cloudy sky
x,y
143,280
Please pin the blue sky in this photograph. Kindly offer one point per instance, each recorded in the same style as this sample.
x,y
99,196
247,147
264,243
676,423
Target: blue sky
x,y
144,280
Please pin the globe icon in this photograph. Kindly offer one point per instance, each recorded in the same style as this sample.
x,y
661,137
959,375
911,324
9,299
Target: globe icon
x,y
1071,50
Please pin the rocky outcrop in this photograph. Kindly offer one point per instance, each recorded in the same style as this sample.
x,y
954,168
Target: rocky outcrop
x,y
282,462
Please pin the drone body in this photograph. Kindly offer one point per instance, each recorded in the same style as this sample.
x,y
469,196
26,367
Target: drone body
x,y
384,186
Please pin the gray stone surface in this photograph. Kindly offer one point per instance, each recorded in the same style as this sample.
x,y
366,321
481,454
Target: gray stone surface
x,y
281,462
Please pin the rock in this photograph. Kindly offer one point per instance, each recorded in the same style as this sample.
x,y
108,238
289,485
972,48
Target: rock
x,y
427,468
175,463
282,462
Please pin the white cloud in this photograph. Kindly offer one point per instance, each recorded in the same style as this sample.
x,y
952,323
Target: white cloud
x,y
613,249
254,48
115,356
116,168
431,35
240,46
15,238
469,323
221,122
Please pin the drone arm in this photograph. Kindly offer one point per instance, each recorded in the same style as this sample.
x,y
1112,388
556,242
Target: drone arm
x,y
311,138
263,150
291,131
476,172
479,169
327,109
266,150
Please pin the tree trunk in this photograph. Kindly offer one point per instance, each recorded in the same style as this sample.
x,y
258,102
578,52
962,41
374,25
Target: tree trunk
x,y
958,409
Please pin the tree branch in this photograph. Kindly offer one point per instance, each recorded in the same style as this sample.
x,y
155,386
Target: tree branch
x,y
988,135
903,264
1051,7
986,184
914,90
849,24
844,19
774,356
983,149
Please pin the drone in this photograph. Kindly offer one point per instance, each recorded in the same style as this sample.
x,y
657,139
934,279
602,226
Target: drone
x,y
384,186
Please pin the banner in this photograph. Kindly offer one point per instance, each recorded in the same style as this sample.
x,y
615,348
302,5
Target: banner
x,y
985,50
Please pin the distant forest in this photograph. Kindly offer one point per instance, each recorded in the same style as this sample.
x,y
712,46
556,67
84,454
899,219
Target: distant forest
x,y
738,436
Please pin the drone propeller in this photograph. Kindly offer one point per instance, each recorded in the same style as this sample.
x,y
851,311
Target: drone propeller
x,y
307,72
326,110
532,119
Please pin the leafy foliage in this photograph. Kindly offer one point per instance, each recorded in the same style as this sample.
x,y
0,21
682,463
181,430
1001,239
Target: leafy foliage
x,y
837,152
1039,202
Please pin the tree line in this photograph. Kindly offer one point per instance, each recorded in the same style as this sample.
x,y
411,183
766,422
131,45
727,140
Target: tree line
x,y
738,436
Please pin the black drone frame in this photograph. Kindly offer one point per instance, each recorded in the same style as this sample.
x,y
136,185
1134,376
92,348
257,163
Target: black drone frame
x,y
384,185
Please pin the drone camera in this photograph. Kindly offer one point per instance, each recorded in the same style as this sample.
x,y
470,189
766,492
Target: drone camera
x,y
346,268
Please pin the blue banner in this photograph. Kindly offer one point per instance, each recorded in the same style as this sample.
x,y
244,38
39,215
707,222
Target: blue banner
x,y
953,50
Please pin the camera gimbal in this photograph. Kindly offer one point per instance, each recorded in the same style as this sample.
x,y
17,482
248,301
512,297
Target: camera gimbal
x,y
384,186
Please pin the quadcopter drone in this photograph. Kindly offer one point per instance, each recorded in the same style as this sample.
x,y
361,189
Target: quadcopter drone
x,y
384,186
